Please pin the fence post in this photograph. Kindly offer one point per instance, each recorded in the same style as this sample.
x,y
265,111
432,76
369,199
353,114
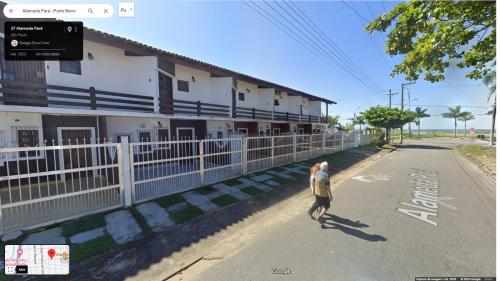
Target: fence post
x,y
342,141
323,142
125,171
294,147
244,156
272,151
310,145
202,162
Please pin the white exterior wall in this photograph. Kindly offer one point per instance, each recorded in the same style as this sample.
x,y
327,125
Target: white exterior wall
x,y
215,126
220,91
132,125
315,108
306,106
109,70
294,104
252,98
198,90
266,99
10,120
283,98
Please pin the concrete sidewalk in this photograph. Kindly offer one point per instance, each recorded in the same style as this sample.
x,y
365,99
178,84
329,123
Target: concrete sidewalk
x,y
163,254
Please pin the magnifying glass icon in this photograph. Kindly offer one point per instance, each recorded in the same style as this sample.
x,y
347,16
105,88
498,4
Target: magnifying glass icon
x,y
90,11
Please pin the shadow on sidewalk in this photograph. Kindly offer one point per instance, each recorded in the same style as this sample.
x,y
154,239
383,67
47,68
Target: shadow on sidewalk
x,y
354,232
135,257
344,221
421,146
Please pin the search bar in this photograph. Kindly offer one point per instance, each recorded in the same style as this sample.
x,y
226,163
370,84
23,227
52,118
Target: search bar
x,y
58,11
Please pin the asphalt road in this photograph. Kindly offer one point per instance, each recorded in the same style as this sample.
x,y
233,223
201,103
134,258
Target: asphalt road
x,y
367,238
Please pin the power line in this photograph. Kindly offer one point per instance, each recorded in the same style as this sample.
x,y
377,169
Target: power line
x,y
307,44
325,38
360,17
366,83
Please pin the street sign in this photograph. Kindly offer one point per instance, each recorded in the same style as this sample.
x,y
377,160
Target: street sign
x,y
472,130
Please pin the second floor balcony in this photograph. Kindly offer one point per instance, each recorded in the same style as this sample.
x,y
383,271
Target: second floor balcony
x,y
24,93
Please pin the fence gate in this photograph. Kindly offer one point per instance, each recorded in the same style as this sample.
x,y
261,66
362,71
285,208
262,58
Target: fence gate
x,y
166,167
42,185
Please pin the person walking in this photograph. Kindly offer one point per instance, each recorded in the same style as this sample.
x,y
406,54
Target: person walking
x,y
322,191
314,169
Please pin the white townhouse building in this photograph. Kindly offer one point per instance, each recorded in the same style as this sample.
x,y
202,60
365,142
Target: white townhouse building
x,y
126,88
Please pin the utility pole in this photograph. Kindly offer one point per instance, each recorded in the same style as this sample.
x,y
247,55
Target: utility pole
x,y
409,108
390,94
402,108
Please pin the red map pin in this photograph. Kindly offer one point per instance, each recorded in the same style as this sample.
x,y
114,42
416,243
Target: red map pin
x,y
51,253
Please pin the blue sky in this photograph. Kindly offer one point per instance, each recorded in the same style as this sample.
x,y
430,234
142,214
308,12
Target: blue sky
x,y
232,35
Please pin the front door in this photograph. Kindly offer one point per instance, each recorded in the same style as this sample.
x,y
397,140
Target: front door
x,y
75,158
165,90
185,147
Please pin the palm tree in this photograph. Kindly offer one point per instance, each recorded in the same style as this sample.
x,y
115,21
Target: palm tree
x,y
420,113
332,121
466,116
359,120
490,81
454,113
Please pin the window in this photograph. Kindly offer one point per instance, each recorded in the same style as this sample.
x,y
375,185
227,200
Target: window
x,y
276,102
144,136
183,85
70,66
27,138
220,134
162,134
301,131
243,130
276,131
241,96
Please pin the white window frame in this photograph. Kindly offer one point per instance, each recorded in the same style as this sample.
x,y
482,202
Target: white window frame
x,y
276,129
301,131
193,136
140,141
243,130
157,137
61,154
130,136
15,141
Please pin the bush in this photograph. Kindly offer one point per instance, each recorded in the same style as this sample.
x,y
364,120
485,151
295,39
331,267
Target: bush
x,y
379,138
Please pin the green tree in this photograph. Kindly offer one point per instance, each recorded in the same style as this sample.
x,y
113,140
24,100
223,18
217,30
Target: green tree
x,y
454,113
490,81
466,116
359,120
431,35
333,121
388,118
420,113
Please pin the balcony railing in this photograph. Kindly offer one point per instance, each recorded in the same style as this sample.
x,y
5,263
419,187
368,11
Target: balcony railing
x,y
252,113
200,108
43,95
26,93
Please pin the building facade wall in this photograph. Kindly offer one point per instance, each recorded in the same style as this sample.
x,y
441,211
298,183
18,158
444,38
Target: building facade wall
x,y
109,70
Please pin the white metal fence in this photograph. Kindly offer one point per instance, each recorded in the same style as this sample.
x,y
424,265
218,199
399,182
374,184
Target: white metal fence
x,y
42,185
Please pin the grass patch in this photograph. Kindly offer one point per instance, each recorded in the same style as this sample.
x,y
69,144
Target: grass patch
x,y
141,221
205,190
484,156
83,224
225,200
186,214
251,190
232,182
170,200
297,175
90,248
